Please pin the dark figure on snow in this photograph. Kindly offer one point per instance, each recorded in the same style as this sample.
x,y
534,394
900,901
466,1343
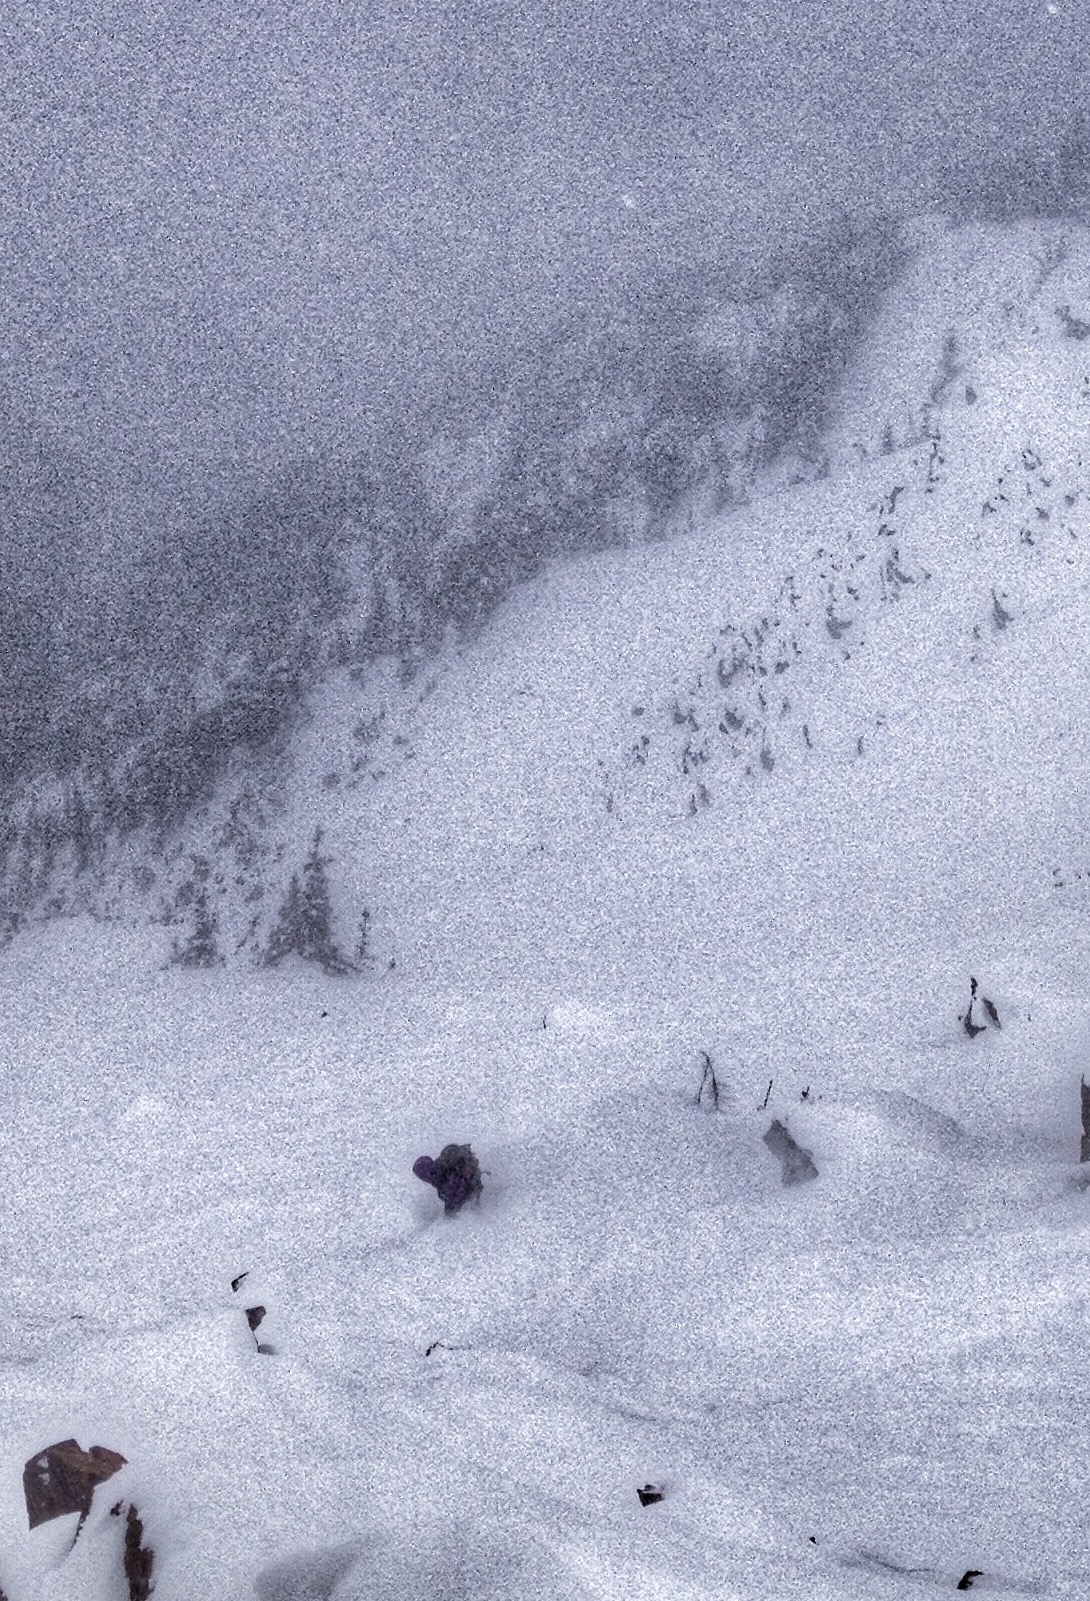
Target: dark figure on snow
x,y
455,1173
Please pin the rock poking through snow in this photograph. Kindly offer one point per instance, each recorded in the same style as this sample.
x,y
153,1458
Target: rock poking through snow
x,y
798,1163
62,1479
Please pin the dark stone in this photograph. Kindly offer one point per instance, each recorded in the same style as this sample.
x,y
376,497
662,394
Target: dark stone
x,y
650,1493
138,1559
966,1580
62,1479
991,1012
255,1316
798,1163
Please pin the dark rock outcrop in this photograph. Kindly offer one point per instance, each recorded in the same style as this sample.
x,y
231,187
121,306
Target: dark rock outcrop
x,y
62,1479
138,1559
798,1163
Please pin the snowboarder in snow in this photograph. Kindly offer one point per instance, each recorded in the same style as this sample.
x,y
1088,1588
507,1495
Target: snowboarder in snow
x,y
455,1173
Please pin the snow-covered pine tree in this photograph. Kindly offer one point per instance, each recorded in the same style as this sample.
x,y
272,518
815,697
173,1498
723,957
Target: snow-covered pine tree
x,y
364,957
304,926
201,949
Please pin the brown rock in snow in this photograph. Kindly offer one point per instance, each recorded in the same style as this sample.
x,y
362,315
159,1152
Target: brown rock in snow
x,y
62,1479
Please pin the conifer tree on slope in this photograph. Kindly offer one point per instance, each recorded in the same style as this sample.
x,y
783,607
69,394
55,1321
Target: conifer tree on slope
x,y
304,926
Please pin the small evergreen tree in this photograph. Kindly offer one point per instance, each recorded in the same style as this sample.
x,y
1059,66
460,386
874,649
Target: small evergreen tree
x,y
201,949
304,926
284,938
364,957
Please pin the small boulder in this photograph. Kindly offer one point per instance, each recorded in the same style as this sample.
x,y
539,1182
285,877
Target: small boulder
x,y
138,1559
798,1163
62,1479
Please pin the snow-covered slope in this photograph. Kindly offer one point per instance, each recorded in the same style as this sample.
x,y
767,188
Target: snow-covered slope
x,y
772,792
864,692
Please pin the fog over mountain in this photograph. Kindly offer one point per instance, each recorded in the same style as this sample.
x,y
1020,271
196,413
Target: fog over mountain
x,y
326,328
231,240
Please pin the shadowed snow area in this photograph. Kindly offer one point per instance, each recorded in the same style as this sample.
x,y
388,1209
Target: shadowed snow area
x,y
775,793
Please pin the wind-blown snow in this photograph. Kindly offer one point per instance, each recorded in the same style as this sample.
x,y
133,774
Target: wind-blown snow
x,y
864,1386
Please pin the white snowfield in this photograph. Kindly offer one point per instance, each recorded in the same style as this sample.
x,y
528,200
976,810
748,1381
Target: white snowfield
x,y
867,1386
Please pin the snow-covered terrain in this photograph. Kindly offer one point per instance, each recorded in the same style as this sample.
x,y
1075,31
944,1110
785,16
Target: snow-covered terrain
x,y
773,792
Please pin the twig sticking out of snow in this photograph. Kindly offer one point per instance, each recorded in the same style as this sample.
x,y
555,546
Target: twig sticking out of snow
x,y
709,1082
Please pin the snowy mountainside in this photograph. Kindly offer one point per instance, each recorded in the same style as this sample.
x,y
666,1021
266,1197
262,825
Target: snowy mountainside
x,y
227,600
981,507
660,680
869,1387
889,654
769,659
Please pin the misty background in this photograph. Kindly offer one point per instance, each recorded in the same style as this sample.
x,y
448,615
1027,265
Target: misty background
x,y
326,323
229,236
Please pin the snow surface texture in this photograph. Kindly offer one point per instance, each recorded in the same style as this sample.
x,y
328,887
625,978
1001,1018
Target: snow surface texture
x,y
865,1386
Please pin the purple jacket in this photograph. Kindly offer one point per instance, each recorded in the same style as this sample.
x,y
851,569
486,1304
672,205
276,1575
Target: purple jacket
x,y
454,1173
